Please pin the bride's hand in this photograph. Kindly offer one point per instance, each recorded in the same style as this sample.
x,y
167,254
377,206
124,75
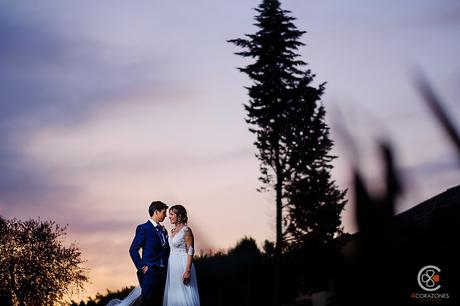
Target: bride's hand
x,y
186,277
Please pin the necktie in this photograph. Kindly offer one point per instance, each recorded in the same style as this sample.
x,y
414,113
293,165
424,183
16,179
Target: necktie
x,y
160,233
163,241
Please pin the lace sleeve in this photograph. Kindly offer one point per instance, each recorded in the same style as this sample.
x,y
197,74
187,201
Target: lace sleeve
x,y
189,241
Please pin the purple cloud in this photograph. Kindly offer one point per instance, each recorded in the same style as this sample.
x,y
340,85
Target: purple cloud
x,y
54,77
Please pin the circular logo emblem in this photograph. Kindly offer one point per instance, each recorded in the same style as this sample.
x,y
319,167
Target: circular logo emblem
x,y
428,278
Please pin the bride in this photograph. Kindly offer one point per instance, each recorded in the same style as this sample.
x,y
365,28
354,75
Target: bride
x,y
181,287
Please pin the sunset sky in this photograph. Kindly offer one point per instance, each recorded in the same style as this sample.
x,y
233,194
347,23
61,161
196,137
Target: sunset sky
x,y
108,105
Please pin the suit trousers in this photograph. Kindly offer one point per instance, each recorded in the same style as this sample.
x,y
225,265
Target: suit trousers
x,y
153,285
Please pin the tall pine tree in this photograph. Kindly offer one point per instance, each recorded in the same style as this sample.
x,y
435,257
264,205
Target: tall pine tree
x,y
314,202
287,117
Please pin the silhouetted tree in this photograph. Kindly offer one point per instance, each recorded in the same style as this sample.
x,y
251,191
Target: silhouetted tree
x,y
287,117
314,201
246,250
274,74
285,114
269,248
35,267
5,298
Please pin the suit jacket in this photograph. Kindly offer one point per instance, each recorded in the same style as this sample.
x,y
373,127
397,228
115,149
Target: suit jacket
x,y
154,252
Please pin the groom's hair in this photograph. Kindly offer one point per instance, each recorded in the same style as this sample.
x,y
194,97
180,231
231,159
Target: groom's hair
x,y
156,205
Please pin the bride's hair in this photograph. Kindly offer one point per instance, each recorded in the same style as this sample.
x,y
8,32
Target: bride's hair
x,y
181,213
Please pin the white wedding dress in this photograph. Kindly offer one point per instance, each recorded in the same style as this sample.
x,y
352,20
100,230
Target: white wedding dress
x,y
176,293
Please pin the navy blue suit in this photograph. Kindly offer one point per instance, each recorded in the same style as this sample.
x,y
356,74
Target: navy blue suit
x,y
155,252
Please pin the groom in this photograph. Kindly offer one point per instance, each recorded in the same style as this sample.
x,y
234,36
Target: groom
x,y
151,267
